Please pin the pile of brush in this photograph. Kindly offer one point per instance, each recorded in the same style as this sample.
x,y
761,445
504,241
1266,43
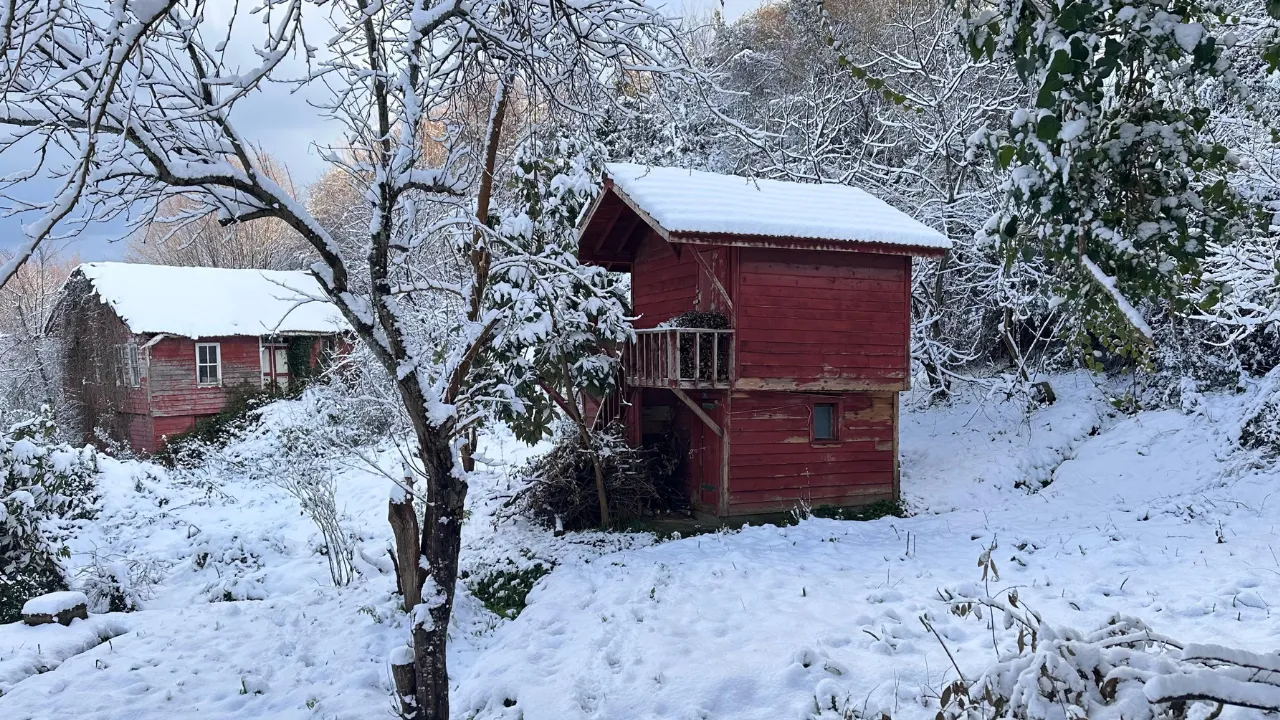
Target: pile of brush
x,y
639,482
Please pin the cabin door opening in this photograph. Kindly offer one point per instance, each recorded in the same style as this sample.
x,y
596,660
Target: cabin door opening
x,y
274,359
705,455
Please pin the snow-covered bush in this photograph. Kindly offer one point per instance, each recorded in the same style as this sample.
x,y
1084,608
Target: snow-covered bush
x,y
45,484
119,584
1123,669
292,445
638,482
1189,355
306,476
503,589
1260,429
236,564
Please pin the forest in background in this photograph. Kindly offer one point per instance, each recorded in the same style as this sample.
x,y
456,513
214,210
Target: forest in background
x,y
1106,172
887,97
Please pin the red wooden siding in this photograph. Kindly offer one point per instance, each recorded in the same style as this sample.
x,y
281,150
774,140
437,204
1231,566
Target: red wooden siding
x,y
774,464
167,427
173,375
811,317
663,284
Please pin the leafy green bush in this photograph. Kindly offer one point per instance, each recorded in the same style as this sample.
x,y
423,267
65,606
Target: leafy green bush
x,y
45,483
505,590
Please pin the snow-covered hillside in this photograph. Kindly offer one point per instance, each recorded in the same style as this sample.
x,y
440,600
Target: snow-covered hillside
x,y
1091,513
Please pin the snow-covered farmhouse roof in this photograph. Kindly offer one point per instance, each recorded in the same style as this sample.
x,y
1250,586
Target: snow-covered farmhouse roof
x,y
695,203
201,302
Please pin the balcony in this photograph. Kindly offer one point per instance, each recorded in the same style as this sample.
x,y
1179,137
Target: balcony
x,y
685,358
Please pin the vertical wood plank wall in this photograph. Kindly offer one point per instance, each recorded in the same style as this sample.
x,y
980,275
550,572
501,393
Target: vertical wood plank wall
x,y
662,284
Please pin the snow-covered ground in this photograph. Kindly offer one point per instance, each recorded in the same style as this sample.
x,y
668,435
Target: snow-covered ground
x,y
1155,515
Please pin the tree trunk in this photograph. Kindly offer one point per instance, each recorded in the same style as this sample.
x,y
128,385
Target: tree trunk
x,y
405,531
933,369
441,543
1011,343
405,680
441,532
601,495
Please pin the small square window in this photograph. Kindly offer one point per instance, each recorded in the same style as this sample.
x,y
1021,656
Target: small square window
x,y
208,364
824,421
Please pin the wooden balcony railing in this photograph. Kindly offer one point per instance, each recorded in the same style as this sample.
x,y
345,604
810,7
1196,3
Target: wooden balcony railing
x,y
689,358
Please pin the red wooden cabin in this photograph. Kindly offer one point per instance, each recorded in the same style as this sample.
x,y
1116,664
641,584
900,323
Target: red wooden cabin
x,y
147,350
797,400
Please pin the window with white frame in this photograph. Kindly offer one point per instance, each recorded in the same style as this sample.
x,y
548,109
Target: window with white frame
x,y
208,364
128,367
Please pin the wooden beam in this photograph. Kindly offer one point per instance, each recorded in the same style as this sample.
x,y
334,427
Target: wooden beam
x,y
642,214
706,267
816,385
621,231
794,243
897,462
906,381
697,410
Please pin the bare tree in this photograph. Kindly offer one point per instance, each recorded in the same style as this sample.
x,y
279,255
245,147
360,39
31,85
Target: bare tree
x,y
135,102
29,373
181,235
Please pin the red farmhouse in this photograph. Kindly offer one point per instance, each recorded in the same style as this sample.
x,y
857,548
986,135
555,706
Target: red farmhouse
x,y
796,400
147,350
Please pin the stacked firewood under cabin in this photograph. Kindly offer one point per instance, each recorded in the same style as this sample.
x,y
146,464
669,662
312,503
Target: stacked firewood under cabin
x,y
703,356
692,350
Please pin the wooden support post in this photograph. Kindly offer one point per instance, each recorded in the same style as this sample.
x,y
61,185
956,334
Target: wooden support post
x,y
698,358
724,452
897,470
715,360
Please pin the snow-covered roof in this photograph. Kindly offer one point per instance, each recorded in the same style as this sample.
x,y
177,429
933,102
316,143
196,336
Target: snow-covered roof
x,y
695,202
201,302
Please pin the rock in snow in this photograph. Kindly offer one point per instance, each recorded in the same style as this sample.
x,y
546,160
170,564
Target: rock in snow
x,y
61,607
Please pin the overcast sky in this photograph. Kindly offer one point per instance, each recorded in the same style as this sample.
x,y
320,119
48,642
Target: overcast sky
x,y
280,122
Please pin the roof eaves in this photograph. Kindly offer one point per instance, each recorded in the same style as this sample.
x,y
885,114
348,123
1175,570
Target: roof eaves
x,y
585,219
644,215
804,243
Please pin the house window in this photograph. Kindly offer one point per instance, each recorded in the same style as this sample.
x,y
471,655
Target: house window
x,y
128,368
208,364
825,422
